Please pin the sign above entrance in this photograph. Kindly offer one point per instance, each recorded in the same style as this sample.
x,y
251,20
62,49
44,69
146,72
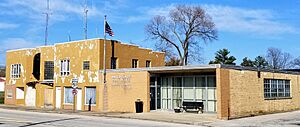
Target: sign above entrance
x,y
74,83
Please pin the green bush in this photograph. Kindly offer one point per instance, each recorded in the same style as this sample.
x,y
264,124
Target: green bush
x,y
1,97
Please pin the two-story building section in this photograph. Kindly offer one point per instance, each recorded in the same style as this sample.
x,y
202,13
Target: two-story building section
x,y
42,77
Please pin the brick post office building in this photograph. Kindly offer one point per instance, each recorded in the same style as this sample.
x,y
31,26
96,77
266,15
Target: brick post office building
x,y
139,74
229,91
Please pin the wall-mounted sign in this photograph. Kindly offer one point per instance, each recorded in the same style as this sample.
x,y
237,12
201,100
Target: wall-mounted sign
x,y
121,81
74,83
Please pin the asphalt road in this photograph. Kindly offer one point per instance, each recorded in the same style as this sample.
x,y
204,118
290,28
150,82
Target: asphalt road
x,y
14,118
287,119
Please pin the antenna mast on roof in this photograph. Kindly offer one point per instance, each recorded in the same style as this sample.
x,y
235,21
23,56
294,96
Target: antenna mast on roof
x,y
69,36
85,11
47,13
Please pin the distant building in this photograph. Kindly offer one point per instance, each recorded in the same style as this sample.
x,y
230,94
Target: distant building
x,y
2,84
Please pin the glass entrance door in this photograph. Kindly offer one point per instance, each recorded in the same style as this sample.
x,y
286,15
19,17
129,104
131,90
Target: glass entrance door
x,y
176,89
152,98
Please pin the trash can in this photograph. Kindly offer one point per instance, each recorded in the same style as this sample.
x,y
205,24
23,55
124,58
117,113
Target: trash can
x,y
138,106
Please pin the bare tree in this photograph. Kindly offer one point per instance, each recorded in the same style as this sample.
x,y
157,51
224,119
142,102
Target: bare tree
x,y
182,29
2,71
173,61
296,63
278,59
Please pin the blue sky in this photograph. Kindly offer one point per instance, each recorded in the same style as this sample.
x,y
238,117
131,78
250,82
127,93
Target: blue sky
x,y
246,27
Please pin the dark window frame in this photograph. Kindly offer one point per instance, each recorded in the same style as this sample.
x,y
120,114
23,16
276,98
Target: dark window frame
x,y
48,70
135,63
86,65
113,64
148,63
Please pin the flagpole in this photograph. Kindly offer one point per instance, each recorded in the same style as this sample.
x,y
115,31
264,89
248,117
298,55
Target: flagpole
x,y
104,70
104,53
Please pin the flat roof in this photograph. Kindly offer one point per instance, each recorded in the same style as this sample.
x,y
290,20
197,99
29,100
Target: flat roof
x,y
199,67
166,68
79,41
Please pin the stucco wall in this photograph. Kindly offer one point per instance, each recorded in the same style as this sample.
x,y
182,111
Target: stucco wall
x,y
76,52
25,58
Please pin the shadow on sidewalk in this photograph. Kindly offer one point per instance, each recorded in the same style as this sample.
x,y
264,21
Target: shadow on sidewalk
x,y
50,121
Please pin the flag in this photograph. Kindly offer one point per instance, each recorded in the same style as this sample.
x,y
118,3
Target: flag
x,y
108,30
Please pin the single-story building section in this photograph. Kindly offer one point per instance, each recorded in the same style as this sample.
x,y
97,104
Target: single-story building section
x,y
229,91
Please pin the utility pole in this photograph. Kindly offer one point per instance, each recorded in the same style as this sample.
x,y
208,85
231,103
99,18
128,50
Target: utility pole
x,y
47,13
85,11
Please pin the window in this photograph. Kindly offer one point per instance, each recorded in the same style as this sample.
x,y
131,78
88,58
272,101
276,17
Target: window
x,y
211,81
48,70
148,63
64,67
90,95
86,65
113,63
188,88
68,96
15,70
134,63
276,88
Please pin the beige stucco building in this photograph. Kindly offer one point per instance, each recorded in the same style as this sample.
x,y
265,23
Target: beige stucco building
x,y
42,76
135,73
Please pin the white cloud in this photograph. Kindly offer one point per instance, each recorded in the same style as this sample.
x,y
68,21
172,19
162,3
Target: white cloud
x,y
229,19
257,21
16,43
34,9
30,13
8,25
147,13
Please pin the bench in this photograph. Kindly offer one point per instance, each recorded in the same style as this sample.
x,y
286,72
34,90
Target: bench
x,y
187,105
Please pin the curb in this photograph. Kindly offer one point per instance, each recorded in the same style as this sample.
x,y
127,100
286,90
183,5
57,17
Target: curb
x,y
21,108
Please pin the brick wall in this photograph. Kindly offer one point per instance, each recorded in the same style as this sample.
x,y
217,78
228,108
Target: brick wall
x,y
247,93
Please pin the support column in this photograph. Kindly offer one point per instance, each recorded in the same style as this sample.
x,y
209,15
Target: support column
x,y
223,93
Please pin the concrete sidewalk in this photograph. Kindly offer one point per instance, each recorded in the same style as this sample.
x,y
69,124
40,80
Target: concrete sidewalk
x,y
59,111
161,116
168,116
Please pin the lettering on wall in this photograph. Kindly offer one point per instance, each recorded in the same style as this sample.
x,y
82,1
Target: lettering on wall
x,y
122,81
